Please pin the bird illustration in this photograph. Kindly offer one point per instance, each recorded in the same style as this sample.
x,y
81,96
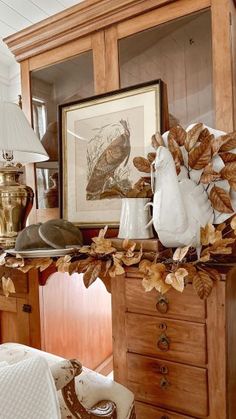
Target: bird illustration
x,y
111,158
180,208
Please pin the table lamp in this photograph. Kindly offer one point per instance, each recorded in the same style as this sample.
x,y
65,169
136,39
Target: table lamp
x,y
18,145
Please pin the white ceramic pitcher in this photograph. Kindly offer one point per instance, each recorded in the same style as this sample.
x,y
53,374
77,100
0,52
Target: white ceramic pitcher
x,y
134,219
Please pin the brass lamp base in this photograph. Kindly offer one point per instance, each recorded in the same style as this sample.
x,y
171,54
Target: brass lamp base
x,y
16,201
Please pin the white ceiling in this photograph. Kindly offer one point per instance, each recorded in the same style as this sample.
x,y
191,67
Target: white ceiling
x,y
18,14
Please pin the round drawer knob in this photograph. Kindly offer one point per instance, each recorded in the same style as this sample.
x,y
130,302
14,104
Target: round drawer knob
x,y
164,369
162,305
163,343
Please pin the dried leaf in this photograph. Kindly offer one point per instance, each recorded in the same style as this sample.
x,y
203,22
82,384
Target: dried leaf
x,y
129,246
84,249
8,286
203,284
210,235
83,264
142,164
180,253
220,227
220,200
73,267
132,258
116,269
192,136
229,142
190,269
2,258
213,273
200,156
229,171
92,272
154,277
157,140
232,184
176,279
151,157
228,157
204,134
175,151
178,134
101,245
14,262
63,263
220,247
233,223
209,175
144,266
205,255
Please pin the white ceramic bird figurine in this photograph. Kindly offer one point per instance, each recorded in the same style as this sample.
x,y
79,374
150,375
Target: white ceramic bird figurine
x,y
180,208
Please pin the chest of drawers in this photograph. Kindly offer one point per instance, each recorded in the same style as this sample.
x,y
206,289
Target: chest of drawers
x,y
176,352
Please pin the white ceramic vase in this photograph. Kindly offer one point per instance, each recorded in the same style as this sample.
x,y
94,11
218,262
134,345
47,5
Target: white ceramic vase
x,y
134,219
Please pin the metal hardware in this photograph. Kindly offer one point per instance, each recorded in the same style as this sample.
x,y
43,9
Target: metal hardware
x,y
164,369
164,383
27,308
163,326
162,305
163,343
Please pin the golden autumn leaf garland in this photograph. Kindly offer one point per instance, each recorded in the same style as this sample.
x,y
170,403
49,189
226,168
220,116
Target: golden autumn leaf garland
x,y
102,260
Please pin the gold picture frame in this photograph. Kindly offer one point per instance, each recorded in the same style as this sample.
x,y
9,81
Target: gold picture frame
x,y
88,129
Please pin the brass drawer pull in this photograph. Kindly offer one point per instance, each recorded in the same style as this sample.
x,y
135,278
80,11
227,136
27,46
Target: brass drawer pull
x,y
164,383
164,369
163,343
162,305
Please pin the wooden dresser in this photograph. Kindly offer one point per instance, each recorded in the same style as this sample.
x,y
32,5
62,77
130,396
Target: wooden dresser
x,y
176,353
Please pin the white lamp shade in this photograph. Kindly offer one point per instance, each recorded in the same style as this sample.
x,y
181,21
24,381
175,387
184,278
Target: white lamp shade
x,y
17,135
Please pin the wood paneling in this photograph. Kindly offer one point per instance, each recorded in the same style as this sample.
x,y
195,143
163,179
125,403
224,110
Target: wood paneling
x,y
146,380
99,62
156,17
231,348
183,341
216,320
76,320
169,52
112,59
179,306
118,329
222,65
61,53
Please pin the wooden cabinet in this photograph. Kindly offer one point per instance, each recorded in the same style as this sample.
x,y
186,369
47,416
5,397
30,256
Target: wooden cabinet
x,y
176,353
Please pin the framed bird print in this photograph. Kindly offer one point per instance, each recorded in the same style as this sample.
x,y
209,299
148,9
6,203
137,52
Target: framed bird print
x,y
99,137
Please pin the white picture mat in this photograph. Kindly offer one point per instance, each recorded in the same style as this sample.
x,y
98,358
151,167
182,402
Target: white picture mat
x,y
76,207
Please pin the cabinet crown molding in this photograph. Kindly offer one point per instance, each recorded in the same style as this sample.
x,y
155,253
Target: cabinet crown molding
x,y
73,23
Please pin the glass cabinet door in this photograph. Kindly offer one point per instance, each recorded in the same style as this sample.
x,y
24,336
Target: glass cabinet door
x,y
180,54
63,82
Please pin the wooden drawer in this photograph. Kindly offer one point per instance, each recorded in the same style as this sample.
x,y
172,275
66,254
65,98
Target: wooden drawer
x,y
186,305
169,385
144,411
174,340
